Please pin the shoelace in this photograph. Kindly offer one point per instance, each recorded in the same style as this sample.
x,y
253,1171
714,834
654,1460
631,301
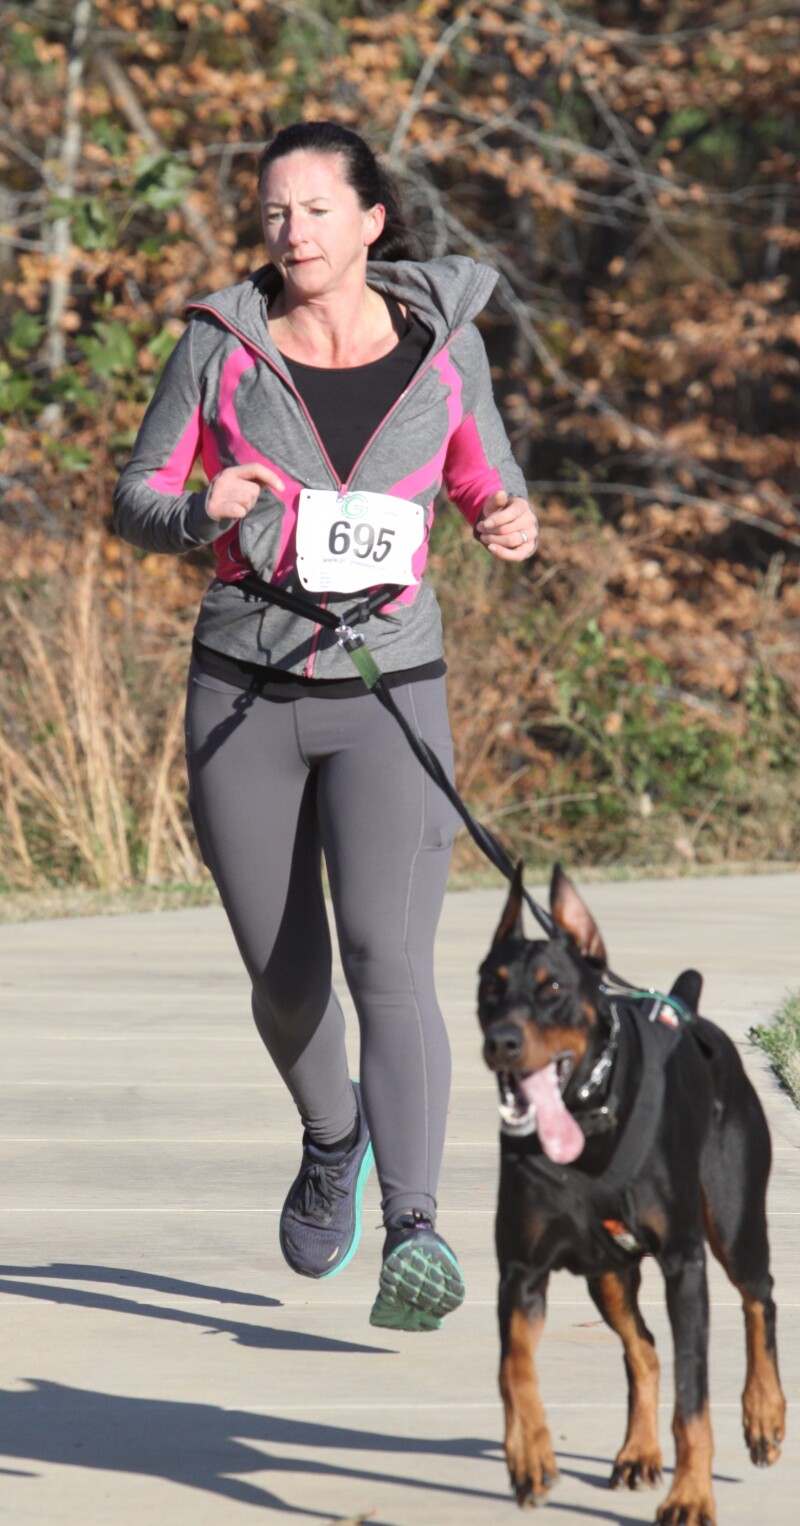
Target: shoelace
x,y
318,1189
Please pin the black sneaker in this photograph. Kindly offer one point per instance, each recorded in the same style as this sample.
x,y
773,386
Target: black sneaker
x,y
321,1218
420,1278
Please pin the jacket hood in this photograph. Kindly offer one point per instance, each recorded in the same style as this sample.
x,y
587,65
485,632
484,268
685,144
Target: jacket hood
x,y
445,294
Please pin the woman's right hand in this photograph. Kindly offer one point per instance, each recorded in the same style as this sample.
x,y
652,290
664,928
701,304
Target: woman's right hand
x,y
235,490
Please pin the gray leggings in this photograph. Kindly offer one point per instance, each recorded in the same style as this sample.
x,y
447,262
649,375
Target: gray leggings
x,y
274,784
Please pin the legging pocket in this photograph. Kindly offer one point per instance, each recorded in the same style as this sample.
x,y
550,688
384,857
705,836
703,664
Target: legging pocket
x,y
426,708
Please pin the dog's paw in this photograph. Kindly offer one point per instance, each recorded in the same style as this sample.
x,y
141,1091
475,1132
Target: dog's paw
x,y
642,1472
764,1450
533,1471
685,1506
764,1416
530,1492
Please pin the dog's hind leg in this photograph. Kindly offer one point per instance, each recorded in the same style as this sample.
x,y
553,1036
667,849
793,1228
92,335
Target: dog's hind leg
x,y
639,1458
528,1447
734,1213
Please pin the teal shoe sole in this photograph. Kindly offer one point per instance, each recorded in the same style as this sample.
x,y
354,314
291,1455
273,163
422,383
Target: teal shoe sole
x,y
316,1271
420,1282
364,1170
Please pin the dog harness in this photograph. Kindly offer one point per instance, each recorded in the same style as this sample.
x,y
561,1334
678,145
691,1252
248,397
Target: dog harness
x,y
649,1025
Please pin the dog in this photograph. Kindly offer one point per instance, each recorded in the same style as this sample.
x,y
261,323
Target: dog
x,y
628,1128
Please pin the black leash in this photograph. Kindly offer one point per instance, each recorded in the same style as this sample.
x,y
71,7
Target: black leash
x,y
354,643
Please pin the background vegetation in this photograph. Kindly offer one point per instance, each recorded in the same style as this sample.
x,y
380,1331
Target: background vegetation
x,y
631,169
780,1039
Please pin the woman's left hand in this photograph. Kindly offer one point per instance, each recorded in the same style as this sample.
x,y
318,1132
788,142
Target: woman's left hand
x,y
508,528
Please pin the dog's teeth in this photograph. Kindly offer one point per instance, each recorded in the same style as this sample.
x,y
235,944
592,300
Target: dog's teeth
x,y
516,1116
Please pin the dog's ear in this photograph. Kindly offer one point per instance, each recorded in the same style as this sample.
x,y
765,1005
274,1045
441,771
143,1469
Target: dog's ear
x,y
575,918
511,920
687,988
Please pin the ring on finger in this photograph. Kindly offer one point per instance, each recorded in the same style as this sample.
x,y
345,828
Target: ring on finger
x,y
524,535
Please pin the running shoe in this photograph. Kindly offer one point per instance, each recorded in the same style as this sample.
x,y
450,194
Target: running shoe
x,y
420,1278
321,1218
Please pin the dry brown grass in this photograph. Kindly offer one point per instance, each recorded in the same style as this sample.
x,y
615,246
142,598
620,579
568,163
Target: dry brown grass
x,y
574,738
90,748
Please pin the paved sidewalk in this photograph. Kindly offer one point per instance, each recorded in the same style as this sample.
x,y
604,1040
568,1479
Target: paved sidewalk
x,y
159,1361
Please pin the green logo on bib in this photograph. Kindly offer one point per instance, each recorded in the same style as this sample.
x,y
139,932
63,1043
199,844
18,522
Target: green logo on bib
x,y
354,506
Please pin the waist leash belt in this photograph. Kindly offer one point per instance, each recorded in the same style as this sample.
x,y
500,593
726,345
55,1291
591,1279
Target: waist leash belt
x,y
354,644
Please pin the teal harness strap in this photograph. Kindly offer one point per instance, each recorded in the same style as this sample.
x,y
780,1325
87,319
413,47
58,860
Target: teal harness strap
x,y
659,1000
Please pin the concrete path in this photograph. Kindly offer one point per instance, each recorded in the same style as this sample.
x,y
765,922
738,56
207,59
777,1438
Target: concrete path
x,y
159,1361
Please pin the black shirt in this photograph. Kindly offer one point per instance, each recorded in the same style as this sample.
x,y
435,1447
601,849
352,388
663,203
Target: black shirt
x,y
348,404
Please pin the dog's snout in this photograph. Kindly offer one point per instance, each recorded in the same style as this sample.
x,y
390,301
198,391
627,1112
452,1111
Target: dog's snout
x,y
502,1045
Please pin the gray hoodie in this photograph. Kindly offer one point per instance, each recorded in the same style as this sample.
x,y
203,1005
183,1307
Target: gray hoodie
x,y
226,396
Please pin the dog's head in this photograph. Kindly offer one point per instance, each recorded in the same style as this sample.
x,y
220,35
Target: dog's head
x,y
538,1004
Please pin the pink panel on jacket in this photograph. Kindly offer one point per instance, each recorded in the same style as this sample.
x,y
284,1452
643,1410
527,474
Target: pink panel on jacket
x,y
230,562
173,475
470,478
420,480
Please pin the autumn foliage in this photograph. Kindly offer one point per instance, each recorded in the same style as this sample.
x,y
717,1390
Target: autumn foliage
x,y
632,170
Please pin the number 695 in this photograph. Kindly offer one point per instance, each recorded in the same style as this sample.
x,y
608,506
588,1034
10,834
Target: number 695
x,y
364,541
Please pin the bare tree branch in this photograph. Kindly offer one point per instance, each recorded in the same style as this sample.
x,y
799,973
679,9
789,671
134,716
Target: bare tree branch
x,y
639,174
128,102
685,34
425,75
660,494
24,153
61,236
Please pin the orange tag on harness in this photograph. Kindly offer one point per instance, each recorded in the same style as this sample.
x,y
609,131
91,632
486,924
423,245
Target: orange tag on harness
x,y
620,1232
669,1016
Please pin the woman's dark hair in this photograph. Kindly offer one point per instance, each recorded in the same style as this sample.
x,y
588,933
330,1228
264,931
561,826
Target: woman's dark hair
x,y
371,182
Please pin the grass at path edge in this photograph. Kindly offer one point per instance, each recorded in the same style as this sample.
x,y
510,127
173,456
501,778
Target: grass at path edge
x,y
48,904
780,1040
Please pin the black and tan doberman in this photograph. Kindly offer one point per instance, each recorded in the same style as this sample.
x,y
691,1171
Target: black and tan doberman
x,y
628,1128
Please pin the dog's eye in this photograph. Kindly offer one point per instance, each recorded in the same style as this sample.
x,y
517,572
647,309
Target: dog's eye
x,y
550,988
493,985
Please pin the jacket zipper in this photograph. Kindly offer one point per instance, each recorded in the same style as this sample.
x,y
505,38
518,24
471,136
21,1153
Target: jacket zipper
x,y
343,486
395,405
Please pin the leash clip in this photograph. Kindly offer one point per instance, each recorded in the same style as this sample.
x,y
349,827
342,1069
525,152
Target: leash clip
x,y
347,638
359,653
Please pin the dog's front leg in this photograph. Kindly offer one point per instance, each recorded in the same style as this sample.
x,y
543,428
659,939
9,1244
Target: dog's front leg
x,y
690,1501
639,1458
528,1447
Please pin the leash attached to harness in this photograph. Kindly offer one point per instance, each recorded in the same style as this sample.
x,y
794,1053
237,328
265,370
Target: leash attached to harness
x,y
354,644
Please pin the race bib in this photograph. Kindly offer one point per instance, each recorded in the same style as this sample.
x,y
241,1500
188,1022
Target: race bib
x,y
350,541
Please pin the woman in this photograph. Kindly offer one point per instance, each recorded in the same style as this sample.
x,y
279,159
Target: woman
x,y
330,396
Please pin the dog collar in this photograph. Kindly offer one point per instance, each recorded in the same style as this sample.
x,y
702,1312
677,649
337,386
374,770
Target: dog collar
x,y
603,1064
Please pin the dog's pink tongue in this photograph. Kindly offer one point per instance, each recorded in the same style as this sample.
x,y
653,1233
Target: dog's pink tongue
x,y
559,1134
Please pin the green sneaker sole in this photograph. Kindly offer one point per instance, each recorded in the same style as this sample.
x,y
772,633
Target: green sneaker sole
x,y
420,1282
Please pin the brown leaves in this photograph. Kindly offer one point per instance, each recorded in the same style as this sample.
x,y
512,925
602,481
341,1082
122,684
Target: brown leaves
x,y
640,199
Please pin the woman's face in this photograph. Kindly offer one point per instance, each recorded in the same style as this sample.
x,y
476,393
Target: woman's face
x,y
316,232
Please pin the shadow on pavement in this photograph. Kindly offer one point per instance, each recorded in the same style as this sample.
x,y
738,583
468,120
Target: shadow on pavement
x,y
75,1271
203,1446
243,1333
